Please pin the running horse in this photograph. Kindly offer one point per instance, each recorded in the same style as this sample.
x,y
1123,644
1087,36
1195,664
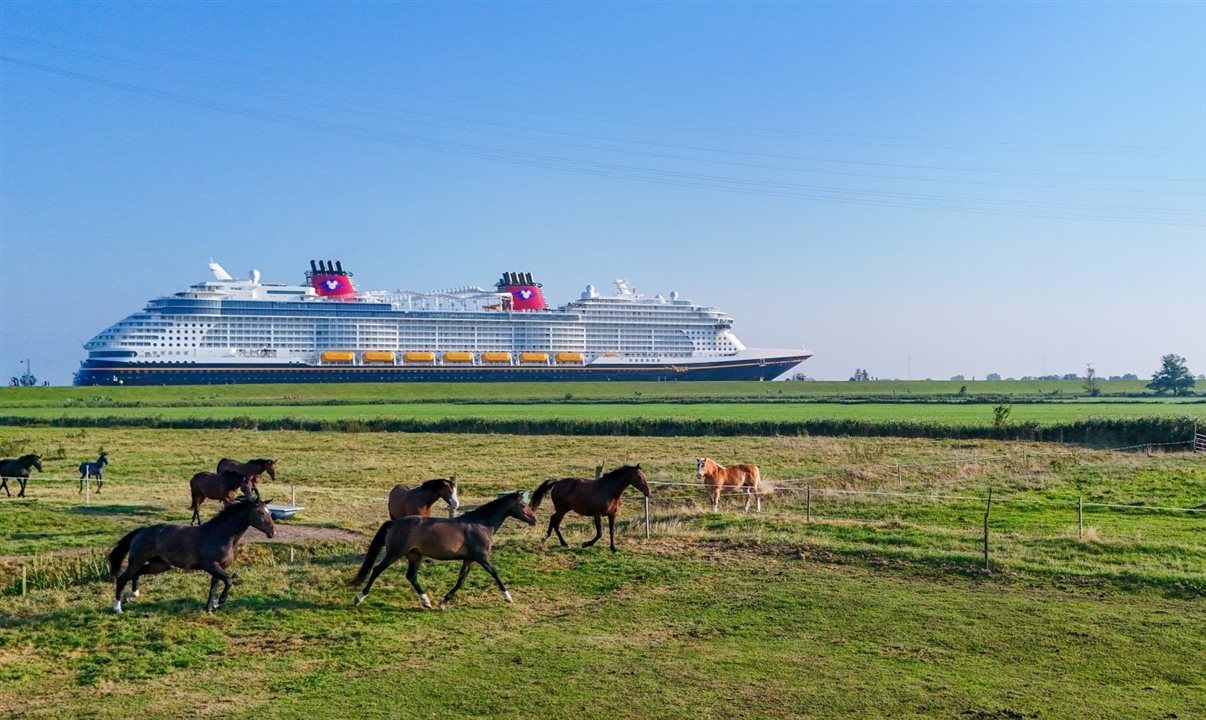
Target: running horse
x,y
718,478
592,498
210,547
405,501
468,538
252,470
89,470
19,469
216,486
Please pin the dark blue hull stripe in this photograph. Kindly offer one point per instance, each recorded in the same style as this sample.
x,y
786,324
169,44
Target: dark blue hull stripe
x,y
100,372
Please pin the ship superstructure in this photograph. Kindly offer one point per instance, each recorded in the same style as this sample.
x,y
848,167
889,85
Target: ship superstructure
x,y
231,330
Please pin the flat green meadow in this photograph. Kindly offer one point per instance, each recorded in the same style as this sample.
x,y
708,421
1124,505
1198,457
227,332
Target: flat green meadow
x,y
879,607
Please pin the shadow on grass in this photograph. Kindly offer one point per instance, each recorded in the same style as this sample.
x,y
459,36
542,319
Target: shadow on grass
x,y
136,510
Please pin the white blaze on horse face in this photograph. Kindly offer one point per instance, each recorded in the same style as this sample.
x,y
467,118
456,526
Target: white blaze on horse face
x,y
699,463
454,502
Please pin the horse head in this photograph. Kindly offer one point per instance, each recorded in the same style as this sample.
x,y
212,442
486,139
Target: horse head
x,y
449,494
270,468
519,508
103,459
638,481
261,517
34,460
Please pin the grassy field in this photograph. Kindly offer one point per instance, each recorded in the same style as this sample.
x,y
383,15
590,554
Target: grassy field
x,y
945,413
488,392
877,609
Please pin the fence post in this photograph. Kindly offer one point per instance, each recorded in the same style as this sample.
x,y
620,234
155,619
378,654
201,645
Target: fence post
x,y
292,495
1025,461
87,490
987,510
1080,518
898,484
808,502
23,580
598,471
646,517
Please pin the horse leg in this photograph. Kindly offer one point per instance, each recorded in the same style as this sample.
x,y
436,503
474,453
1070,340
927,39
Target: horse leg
x,y
4,484
715,490
216,574
598,532
22,481
459,579
412,574
100,483
391,556
82,476
485,563
611,530
152,567
555,523
749,495
198,498
132,569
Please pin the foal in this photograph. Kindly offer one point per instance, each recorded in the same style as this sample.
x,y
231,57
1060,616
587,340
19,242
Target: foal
x,y
89,470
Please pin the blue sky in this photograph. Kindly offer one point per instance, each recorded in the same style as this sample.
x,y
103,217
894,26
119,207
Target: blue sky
x,y
916,189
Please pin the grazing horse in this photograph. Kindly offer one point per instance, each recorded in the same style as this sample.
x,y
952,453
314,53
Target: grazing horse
x,y
19,469
89,470
211,547
719,478
405,501
252,470
216,486
592,498
467,538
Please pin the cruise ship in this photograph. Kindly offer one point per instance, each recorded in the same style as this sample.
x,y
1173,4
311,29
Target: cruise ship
x,y
241,330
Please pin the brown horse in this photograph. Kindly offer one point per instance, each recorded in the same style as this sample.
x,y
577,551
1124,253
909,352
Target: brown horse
x,y
405,501
18,468
216,486
252,470
212,547
592,498
719,478
467,538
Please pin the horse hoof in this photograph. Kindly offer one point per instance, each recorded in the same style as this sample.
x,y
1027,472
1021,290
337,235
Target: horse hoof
x,y
426,601
117,606
359,598
443,604
507,596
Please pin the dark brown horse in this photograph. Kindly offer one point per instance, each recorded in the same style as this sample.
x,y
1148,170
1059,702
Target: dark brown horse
x,y
211,547
405,501
216,486
19,469
592,498
252,470
467,538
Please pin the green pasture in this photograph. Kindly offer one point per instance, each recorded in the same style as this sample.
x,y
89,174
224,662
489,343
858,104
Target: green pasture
x,y
878,608
943,413
401,393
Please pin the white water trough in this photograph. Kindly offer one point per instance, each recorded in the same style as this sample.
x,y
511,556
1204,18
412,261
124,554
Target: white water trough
x,y
284,512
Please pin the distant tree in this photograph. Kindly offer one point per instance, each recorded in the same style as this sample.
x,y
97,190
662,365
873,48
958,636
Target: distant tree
x,y
1173,376
1092,383
1000,415
962,391
1130,376
1070,376
958,378
860,375
994,377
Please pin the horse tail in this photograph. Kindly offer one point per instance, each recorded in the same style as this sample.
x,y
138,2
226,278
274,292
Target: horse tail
x,y
540,491
371,555
120,551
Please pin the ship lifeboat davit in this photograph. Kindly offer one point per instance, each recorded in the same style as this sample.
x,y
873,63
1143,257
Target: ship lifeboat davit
x,y
378,357
496,358
525,292
330,281
418,356
457,356
338,357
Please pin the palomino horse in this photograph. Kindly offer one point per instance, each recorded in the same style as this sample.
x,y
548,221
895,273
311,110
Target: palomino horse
x,y
405,501
19,469
89,470
252,470
467,538
216,486
592,498
719,478
211,547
